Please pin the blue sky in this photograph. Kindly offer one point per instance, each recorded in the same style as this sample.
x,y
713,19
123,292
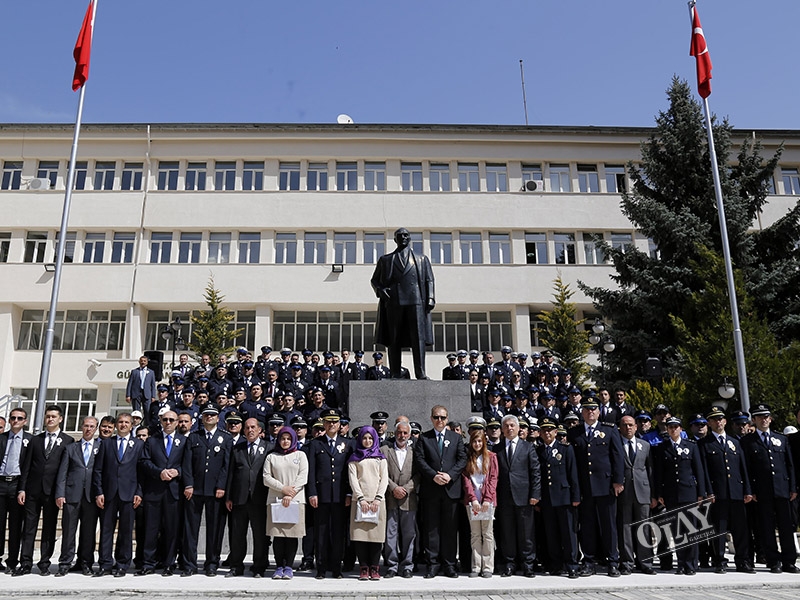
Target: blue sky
x,y
587,62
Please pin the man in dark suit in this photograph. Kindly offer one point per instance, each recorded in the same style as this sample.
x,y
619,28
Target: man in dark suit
x,y
440,457
205,474
609,413
636,499
74,498
477,393
14,444
378,371
328,493
141,388
519,489
598,450
161,467
403,282
118,493
246,499
772,476
726,469
36,490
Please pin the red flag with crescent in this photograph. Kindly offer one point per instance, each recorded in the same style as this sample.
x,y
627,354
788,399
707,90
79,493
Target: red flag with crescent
x,y
83,50
699,50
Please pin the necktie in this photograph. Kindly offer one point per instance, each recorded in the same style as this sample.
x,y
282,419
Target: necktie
x,y
86,453
510,451
252,453
208,436
675,444
50,443
143,373
169,445
765,435
722,440
121,448
8,459
631,451
332,444
589,433
440,441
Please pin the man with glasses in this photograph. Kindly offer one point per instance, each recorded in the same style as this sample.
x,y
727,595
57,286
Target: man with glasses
x,y
13,448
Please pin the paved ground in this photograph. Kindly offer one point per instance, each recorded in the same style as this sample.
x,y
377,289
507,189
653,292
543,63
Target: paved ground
x,y
664,586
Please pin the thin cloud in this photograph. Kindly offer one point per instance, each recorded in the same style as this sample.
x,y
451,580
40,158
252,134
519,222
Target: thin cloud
x,y
13,110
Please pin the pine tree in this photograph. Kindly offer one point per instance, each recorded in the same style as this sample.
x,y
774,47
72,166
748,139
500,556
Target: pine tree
x,y
563,334
212,329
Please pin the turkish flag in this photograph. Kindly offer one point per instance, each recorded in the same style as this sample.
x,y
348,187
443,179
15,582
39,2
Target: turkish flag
x,y
699,50
83,50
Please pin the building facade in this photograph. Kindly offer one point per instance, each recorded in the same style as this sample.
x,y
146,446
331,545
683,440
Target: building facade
x,y
268,209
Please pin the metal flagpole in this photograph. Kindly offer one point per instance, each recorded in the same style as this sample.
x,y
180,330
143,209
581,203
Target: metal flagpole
x,y
44,376
726,252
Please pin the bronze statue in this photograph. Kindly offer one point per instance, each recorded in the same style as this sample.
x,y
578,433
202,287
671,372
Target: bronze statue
x,y
403,282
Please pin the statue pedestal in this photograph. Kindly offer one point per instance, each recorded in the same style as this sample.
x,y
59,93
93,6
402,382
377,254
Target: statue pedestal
x,y
408,397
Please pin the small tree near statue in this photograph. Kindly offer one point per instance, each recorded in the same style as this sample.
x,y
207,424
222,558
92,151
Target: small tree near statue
x,y
212,329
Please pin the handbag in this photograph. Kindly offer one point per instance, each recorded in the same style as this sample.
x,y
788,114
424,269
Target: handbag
x,y
366,517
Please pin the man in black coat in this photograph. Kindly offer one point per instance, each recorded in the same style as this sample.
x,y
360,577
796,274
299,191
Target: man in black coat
x,y
74,498
403,282
246,500
772,477
161,468
440,457
726,470
36,490
14,444
519,489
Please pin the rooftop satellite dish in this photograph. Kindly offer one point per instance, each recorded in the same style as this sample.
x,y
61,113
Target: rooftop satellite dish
x,y
344,119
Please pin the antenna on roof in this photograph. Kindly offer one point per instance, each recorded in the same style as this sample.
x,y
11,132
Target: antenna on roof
x,y
344,119
524,99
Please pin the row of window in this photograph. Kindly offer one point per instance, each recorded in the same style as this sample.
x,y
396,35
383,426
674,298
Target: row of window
x,y
76,403
460,247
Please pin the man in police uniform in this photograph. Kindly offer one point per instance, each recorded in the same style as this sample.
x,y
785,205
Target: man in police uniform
x,y
205,474
379,419
772,476
378,371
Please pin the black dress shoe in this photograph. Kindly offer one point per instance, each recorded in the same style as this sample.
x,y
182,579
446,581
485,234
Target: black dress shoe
x,y
507,572
337,575
679,571
689,572
120,573
572,574
320,575
613,571
776,569
44,572
529,573
451,573
168,572
587,571
21,571
188,572
721,569
432,572
62,571
624,571
790,569
233,573
87,570
141,572
647,570
211,572
407,574
745,569
103,572
389,574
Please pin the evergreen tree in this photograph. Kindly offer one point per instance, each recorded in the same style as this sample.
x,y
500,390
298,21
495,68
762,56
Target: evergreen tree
x,y
563,333
212,329
672,202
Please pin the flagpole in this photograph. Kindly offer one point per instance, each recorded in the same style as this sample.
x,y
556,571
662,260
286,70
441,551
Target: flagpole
x,y
44,376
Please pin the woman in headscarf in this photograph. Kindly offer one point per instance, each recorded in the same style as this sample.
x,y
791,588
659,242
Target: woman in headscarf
x,y
286,474
369,477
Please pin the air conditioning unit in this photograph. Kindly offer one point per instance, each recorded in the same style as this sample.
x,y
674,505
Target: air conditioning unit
x,y
40,183
534,185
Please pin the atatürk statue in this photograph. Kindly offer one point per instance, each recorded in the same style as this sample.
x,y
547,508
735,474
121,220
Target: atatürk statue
x,y
403,282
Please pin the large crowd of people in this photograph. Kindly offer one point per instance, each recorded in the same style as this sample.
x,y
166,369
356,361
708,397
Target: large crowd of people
x,y
549,479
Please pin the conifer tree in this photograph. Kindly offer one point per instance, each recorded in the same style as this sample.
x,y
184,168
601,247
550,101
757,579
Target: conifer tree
x,y
212,329
563,334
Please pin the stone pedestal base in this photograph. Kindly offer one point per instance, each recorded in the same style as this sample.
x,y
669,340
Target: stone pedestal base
x,y
408,397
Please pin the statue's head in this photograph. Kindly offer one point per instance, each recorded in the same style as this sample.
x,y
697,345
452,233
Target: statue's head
x,y
402,237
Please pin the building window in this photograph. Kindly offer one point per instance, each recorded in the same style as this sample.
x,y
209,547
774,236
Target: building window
x,y
439,178
496,178
104,175
132,175
471,249
189,248
317,177
81,175
469,178
536,249
48,169
559,178
75,402
344,248
416,242
442,248
74,330
157,320
565,248
35,247
791,181
249,248
219,248
12,175
346,176
314,248
375,176
225,175
453,330
622,241
588,180
499,248
5,245
652,249
537,329
196,174
374,247
286,248
594,255
289,176
122,248
69,246
167,175
160,247
411,177
94,247
324,330
532,173
615,179
253,176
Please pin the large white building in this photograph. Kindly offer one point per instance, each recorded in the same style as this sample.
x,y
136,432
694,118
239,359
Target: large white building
x,y
267,209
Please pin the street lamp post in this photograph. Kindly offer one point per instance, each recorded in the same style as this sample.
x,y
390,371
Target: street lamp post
x,y
608,346
726,391
172,332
